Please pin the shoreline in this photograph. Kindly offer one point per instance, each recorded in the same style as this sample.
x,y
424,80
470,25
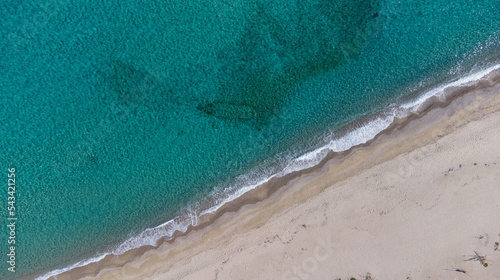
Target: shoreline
x,y
276,185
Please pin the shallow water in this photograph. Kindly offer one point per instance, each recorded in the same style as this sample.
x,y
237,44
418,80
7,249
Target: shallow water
x,y
119,114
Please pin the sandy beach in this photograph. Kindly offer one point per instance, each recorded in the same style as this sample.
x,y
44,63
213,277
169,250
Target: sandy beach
x,y
420,201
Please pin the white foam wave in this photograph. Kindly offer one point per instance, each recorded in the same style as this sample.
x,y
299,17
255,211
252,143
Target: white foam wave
x,y
439,91
357,135
68,268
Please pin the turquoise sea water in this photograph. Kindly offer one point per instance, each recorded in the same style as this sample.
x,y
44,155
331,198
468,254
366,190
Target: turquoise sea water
x,y
116,115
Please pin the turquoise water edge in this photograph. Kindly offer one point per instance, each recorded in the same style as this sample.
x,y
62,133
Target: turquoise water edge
x,y
120,115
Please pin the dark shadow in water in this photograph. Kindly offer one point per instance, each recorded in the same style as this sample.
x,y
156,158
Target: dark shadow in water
x,y
257,73
131,84
274,55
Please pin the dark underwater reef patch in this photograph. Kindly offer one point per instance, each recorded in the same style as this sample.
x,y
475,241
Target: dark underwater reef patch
x,y
276,52
277,49
131,84
227,110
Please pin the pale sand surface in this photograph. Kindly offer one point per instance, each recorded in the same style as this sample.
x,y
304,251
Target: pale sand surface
x,y
414,204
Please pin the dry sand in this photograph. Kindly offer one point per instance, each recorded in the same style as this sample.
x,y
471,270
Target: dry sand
x,y
416,203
